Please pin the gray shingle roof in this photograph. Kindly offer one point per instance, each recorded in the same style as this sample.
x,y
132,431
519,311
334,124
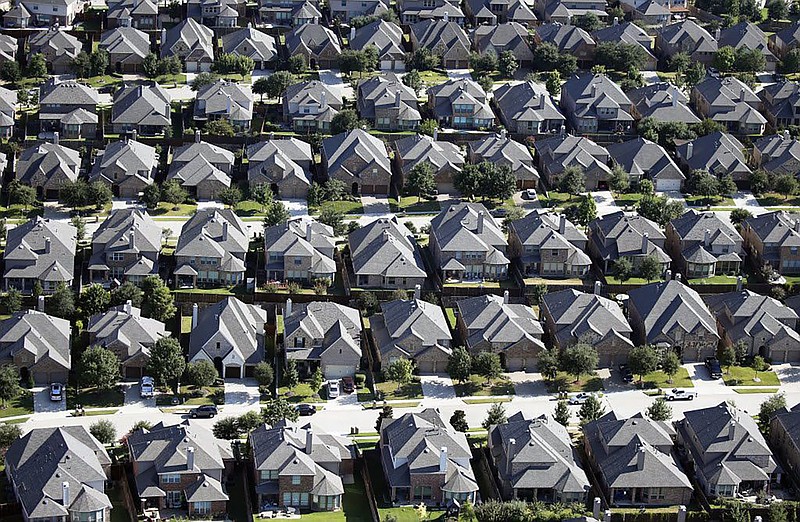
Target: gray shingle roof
x,y
193,38
123,41
240,325
688,36
663,102
386,36
642,157
459,91
527,101
142,105
576,314
126,326
69,93
779,153
48,163
27,256
489,319
385,247
467,227
252,43
44,338
749,316
780,228
412,326
337,150
58,42
717,152
567,38
205,235
440,154
328,324
616,235
502,150
436,33
562,151
381,92
313,37
693,228
128,157
593,91
230,100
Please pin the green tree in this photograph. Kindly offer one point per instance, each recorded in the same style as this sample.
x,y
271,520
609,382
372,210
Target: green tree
x,y
420,180
586,210
276,213
772,405
37,66
791,62
334,218
548,364
261,86
220,127
483,62
166,362
740,215
151,66
62,302
537,293
727,187
623,269
399,371
725,58
694,74
778,513
785,185
553,83
660,209
157,300
201,373
579,359
20,194
104,431
360,61
277,410
679,62
127,291
749,60
619,180
670,364
226,429
99,368
459,364
758,364
81,66
591,410
262,194
297,64
650,268
10,72
428,127
727,357
386,413
12,301
642,360
172,192
249,421
704,184
496,415
98,62
9,384
278,82
203,79
230,196
346,120
760,182
777,9
316,380
94,300
459,421
151,195
589,22
707,126
660,410
8,434
263,373
422,59
572,181
412,79
291,377
487,364
562,414
368,302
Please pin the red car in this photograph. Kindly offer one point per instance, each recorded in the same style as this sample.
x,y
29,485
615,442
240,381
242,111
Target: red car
x,y
347,385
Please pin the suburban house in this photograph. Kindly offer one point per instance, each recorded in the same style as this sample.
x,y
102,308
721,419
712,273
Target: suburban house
x,y
785,40
781,103
635,462
444,38
17,17
492,12
229,334
141,14
546,245
384,254
467,244
58,47
225,100
39,251
772,239
412,329
47,167
180,467
500,150
282,164
631,34
509,36
219,14
8,113
38,345
299,467
324,335
125,247
562,12
211,249
651,12
446,158
316,43
571,316
490,323
662,101
300,250
127,165
616,236
777,154
345,10
729,453
127,48
747,35
557,153
388,103
731,102
59,473
283,13
53,13
253,43
145,109
387,37
718,153
192,42
783,436
124,331
310,106
203,169
460,104
671,316
765,325
536,461
686,37
568,39
414,11
703,245
527,108
595,104
426,461
358,159
643,159
69,108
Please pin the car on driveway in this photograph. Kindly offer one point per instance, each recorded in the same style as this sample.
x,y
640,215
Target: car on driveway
x,y
625,373
681,395
304,410
207,411
499,212
530,194
56,392
580,398
713,367
146,387
333,389
348,386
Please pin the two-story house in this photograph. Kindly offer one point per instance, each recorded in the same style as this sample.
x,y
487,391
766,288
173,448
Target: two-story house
x,y
662,101
784,40
388,103
125,247
299,250
253,43
527,108
310,106
190,41
203,169
546,245
595,104
284,165
127,47
384,254
630,34
773,239
703,245
127,166
493,12
145,109
414,11
53,13
444,38
69,108
501,150
509,36
446,158
285,13
568,39
359,160
38,345
47,167
616,235
777,154
316,43
643,159
557,153
141,14
460,104
39,251
781,103
346,10
225,100
686,37
58,47
387,37
747,35
731,102
717,153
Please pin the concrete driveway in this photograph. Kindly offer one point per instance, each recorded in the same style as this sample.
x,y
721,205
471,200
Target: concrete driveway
x,y
437,387
296,207
42,402
746,200
333,79
242,392
375,205
134,400
605,202
702,380
459,74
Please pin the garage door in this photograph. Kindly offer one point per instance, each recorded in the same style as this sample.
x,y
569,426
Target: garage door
x,y
233,372
515,364
133,372
663,185
381,189
367,189
334,371
386,65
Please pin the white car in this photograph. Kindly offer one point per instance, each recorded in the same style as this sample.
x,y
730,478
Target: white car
x,y
56,392
681,395
530,194
580,398
146,387
333,389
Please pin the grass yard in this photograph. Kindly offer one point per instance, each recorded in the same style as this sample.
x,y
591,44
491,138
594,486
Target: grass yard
x,y
476,386
567,383
171,78
194,396
755,389
395,404
717,280
392,391
556,199
627,199
772,199
22,405
505,284
102,81
702,201
414,204
431,78
659,380
249,208
485,400
345,207
612,280
169,209
301,393
96,413
743,376
408,514
94,398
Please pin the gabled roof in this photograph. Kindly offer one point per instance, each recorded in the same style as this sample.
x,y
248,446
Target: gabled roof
x,y
643,157
227,99
668,305
717,152
749,316
527,101
302,238
128,157
421,148
747,35
489,319
695,227
242,325
50,161
617,235
313,91
127,230
577,314
336,150
436,33
688,36
252,43
329,324
593,91
414,319
779,153
779,227
386,36
29,243
564,150
663,102
313,37
499,149
385,247
41,336
58,42
383,91
142,105
509,36
194,36
467,227
124,41
218,233
69,93
125,325
566,38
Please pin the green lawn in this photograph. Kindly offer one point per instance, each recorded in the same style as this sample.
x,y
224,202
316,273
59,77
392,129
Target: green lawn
x,y
701,201
390,391
743,376
102,81
627,199
431,78
771,199
301,393
395,404
345,207
408,514
558,199
193,396
171,78
249,208
564,382
414,204
612,280
485,400
506,283
717,280
22,405
476,386
450,313
659,380
168,209
755,389
97,413
94,398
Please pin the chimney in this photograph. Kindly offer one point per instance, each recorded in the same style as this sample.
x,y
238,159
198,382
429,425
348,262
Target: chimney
x,y
717,33
443,460
225,231
480,222
163,36
674,99
562,223
594,90
797,225
616,21
645,239
446,17
190,458
607,515
512,449
47,244
596,508
542,101
132,240
732,430
287,310
352,33
668,275
316,19
640,458
678,277
65,497
435,134
597,286
308,231
249,25
505,296
503,133
197,136
40,303
397,98
323,100
741,94
706,237
55,138
417,291
194,315
271,135
129,307
681,513
739,284
134,135
786,134
309,440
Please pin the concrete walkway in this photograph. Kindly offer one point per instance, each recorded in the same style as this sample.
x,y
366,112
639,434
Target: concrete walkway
x,y
333,79
375,205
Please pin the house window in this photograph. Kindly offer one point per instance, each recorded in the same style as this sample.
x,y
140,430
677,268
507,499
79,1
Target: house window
x,y
423,492
299,342
270,474
174,499
295,480
173,478
202,508
117,256
91,516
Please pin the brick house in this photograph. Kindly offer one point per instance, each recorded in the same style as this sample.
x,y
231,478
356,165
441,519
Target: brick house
x,y
125,247
773,239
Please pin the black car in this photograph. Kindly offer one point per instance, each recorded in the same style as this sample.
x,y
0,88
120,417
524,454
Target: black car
x,y
714,368
625,373
304,410
207,411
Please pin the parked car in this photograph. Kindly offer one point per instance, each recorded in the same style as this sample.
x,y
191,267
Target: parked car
x,y
530,194
625,373
714,368
56,392
207,411
333,389
348,386
147,387
580,398
304,410
681,395
499,212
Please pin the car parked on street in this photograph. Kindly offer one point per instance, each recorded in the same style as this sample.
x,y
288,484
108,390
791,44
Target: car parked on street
x,y
714,368
56,392
304,410
681,395
208,411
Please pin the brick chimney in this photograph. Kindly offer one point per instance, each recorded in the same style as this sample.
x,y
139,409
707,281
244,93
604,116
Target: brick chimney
x,y
505,297
417,291
479,230
287,310
129,307
194,315
645,239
